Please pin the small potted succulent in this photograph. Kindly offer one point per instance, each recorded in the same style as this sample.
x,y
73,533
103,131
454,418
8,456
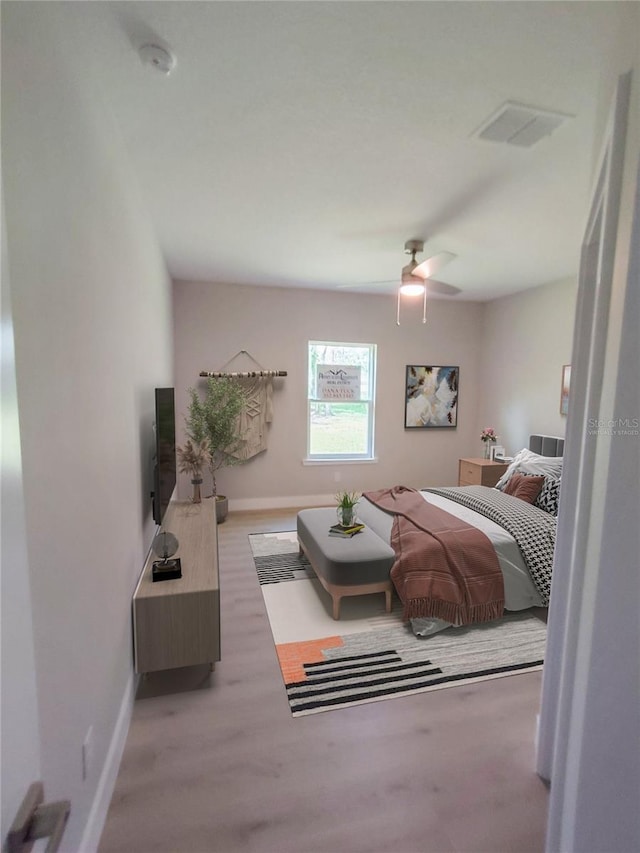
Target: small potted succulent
x,y
192,458
346,507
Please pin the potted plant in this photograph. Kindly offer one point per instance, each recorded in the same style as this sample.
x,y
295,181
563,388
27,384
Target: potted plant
x,y
346,507
192,458
214,420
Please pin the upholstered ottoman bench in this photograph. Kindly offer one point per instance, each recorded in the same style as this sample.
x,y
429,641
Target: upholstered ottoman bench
x,y
356,566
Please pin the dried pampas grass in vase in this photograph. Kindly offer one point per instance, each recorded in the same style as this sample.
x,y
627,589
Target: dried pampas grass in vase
x,y
192,458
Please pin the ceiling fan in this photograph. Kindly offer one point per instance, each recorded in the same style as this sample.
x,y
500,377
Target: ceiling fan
x,y
415,277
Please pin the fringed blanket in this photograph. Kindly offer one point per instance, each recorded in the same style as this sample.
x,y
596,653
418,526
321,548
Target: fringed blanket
x,y
445,568
533,529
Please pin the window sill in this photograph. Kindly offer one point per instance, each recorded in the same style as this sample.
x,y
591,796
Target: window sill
x,y
346,461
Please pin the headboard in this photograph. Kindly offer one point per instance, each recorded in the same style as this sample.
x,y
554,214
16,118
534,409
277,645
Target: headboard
x,y
546,445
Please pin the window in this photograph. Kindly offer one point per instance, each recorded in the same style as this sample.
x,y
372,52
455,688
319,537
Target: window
x,y
341,401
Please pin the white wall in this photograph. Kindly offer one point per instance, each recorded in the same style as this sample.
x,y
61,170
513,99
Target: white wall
x,y
526,341
19,713
92,313
590,716
214,322
510,353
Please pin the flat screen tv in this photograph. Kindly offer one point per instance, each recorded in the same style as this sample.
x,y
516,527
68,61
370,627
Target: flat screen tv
x,y
164,476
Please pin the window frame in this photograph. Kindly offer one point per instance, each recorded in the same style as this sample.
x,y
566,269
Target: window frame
x,y
369,454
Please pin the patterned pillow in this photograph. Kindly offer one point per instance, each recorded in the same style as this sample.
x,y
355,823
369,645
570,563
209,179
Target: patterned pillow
x,y
549,496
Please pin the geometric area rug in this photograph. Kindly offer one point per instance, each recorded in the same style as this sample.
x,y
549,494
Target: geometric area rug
x,y
369,655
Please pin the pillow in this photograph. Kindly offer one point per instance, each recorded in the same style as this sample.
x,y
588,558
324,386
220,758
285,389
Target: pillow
x,y
525,487
513,465
531,463
549,496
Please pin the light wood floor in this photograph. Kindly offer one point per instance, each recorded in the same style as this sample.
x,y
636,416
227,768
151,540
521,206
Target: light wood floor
x,y
216,764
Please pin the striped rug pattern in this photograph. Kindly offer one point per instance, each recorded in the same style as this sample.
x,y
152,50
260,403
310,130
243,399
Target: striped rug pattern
x,y
369,655
276,568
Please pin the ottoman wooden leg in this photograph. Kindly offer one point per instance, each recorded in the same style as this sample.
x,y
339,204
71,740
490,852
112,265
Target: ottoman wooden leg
x,y
387,599
336,606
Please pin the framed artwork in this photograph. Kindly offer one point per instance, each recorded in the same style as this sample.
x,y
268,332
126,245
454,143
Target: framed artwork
x,y
564,391
431,397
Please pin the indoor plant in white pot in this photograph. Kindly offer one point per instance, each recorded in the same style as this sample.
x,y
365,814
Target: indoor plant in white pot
x,y
214,419
346,507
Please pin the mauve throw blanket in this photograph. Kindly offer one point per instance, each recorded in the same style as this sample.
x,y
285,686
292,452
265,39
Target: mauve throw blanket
x,y
444,567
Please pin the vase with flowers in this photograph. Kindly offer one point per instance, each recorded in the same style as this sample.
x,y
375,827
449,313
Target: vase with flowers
x,y
192,458
346,510
488,437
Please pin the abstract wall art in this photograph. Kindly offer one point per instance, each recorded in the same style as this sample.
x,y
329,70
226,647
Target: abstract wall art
x,y
431,396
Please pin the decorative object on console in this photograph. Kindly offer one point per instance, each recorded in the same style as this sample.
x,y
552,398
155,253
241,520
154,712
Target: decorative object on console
x,y
431,396
192,458
215,419
489,438
346,507
564,390
165,545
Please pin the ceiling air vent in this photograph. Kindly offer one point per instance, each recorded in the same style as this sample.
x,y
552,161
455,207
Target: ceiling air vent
x,y
517,124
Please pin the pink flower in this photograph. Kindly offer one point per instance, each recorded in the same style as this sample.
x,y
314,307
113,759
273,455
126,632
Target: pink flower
x,y
488,434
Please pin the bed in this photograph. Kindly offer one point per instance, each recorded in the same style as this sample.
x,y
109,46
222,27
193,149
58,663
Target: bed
x,y
522,534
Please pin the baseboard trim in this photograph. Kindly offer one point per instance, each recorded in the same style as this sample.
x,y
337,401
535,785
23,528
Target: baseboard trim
x,y
290,502
104,791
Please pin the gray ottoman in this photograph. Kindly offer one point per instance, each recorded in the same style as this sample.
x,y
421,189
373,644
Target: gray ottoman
x,y
356,566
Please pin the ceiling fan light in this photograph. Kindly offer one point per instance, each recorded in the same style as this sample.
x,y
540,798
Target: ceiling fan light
x,y
412,289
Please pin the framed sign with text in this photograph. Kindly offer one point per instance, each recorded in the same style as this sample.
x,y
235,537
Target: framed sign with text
x,y
338,382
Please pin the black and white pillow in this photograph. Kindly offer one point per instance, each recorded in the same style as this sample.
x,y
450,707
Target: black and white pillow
x,y
549,496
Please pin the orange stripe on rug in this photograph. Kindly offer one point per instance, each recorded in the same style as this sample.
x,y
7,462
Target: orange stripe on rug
x,y
293,656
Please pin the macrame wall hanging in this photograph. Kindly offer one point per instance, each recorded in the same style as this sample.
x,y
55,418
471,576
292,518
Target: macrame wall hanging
x,y
257,387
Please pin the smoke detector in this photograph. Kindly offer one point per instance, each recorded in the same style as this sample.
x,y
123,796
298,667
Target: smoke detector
x,y
158,57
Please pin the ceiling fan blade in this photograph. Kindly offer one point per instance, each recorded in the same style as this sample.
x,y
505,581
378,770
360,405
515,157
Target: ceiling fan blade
x,y
416,273
433,286
441,288
357,284
433,265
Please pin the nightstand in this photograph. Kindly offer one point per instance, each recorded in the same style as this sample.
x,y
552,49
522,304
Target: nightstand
x,y
480,472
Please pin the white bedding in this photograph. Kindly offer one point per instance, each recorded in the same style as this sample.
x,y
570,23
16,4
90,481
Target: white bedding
x,y
519,590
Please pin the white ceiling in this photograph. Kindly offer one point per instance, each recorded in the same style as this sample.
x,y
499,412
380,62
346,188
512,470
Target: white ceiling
x,y
301,144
